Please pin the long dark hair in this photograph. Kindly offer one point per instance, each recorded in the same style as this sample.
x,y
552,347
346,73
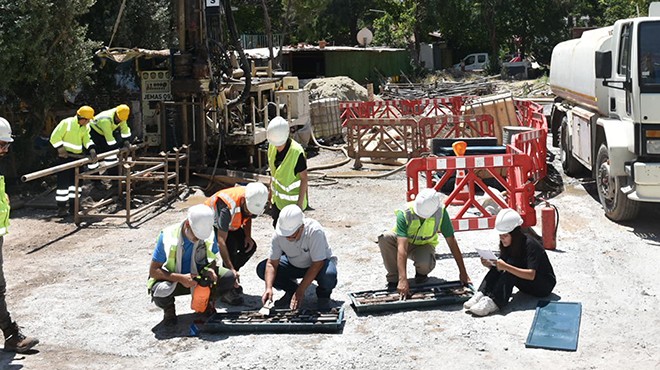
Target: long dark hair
x,y
517,247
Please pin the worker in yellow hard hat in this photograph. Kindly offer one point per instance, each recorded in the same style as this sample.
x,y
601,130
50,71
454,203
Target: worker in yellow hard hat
x,y
71,140
110,130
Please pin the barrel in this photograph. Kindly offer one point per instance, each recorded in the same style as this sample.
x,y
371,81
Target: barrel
x,y
325,118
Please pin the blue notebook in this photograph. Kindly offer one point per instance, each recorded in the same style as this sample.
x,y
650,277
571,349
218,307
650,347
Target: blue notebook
x,y
556,326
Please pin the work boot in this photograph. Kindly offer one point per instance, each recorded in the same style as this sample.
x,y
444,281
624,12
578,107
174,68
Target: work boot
x,y
323,304
169,316
391,286
15,341
232,298
421,279
285,301
62,211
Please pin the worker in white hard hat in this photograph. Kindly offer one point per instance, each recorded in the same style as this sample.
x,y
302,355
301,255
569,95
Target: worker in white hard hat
x,y
185,253
299,250
109,130
288,167
72,141
415,237
15,341
522,263
234,209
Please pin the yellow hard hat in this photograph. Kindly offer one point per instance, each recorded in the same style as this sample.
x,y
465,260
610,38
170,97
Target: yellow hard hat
x,y
123,111
86,112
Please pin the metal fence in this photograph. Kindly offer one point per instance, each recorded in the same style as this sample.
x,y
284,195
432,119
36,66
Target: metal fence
x,y
259,41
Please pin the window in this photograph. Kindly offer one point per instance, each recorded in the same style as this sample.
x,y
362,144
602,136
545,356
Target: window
x,y
649,57
624,47
481,59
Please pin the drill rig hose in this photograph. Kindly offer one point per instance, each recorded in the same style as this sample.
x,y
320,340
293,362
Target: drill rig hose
x,y
233,34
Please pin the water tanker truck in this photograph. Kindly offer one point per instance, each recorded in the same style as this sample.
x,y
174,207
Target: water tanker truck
x,y
606,117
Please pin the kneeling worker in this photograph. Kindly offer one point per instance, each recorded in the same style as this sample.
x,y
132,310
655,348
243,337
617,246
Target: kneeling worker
x,y
234,209
416,236
299,249
186,252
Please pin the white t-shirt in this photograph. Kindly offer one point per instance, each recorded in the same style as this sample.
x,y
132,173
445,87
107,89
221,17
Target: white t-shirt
x,y
311,247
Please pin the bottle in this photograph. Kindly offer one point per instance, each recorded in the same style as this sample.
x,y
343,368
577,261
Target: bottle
x,y
200,298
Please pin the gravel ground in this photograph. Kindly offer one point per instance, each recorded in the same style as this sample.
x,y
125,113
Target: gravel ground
x,y
82,292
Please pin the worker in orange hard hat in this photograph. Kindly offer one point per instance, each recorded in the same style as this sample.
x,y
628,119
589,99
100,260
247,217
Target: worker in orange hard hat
x,y
71,140
110,130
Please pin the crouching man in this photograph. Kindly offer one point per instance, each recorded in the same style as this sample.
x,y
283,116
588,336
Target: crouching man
x,y
185,253
299,249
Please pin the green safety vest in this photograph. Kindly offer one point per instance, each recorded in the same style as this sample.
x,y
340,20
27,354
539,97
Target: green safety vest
x,y
71,135
4,208
104,124
172,241
286,183
422,232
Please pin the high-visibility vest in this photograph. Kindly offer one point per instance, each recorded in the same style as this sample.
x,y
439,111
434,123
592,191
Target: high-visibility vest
x,y
418,232
71,135
4,208
286,183
104,124
233,198
172,241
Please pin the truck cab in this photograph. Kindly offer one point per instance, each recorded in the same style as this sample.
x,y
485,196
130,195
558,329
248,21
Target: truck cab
x,y
473,62
606,117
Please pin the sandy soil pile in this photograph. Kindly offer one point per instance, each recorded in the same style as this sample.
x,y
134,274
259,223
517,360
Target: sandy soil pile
x,y
342,88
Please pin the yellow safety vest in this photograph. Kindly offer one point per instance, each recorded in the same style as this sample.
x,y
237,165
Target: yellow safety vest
x,y
71,135
421,233
286,183
4,208
104,124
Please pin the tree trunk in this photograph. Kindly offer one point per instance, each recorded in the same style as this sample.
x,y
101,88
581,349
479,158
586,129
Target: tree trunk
x,y
269,31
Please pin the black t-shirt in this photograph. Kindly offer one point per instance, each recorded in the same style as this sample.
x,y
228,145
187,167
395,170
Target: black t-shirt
x,y
534,258
301,165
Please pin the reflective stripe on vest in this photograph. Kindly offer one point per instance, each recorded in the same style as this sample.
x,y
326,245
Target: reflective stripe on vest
x,y
233,198
4,208
426,232
172,241
286,183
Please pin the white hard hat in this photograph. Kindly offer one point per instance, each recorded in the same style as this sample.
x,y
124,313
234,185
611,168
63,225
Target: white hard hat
x,y
277,131
200,218
5,131
426,203
256,196
291,218
507,220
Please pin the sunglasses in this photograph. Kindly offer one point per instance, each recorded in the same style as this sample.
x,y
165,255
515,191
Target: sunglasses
x,y
4,145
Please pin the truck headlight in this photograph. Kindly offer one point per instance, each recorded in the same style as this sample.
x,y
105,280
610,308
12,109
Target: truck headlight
x,y
653,146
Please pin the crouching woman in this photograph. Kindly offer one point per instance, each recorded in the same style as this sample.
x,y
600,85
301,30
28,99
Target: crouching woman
x,y
523,263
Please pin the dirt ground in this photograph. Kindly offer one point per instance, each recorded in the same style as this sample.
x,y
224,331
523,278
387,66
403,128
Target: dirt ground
x,y
82,292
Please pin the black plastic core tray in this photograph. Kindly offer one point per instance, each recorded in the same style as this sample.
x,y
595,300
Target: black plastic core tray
x,y
280,321
420,296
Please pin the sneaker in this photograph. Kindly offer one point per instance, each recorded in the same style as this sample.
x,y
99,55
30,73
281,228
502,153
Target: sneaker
x,y
323,304
232,298
472,301
15,341
421,279
484,307
169,316
285,301
391,286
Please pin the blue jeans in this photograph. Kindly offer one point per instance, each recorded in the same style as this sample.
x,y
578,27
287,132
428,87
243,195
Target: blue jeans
x,y
286,275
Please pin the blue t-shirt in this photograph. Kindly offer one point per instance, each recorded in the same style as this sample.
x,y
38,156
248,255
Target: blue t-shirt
x,y
161,257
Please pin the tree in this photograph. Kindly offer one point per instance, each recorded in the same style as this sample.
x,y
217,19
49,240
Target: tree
x,y
44,51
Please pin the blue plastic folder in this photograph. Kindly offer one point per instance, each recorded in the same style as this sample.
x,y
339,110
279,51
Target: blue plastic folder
x,y
556,326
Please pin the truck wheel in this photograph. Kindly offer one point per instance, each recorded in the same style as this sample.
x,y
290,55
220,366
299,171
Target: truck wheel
x,y
570,165
616,204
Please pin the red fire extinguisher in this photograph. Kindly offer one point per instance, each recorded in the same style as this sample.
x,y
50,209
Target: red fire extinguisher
x,y
550,221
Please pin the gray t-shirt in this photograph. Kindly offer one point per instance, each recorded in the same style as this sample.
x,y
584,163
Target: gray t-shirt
x,y
311,247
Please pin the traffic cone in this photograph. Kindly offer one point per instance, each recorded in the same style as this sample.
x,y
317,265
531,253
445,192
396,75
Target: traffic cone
x,y
463,195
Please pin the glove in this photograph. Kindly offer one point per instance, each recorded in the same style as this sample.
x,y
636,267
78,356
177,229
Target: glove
x,y
127,144
92,155
62,153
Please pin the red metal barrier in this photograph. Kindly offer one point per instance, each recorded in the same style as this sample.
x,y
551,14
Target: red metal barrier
x,y
519,190
455,126
402,108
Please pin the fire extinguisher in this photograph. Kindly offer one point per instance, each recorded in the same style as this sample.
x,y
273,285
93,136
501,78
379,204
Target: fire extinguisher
x,y
550,221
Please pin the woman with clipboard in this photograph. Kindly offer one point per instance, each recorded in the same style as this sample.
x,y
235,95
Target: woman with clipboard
x,y
523,263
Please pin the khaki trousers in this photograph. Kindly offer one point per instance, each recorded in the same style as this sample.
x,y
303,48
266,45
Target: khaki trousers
x,y
423,256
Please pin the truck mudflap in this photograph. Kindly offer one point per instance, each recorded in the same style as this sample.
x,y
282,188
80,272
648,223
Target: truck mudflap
x,y
647,183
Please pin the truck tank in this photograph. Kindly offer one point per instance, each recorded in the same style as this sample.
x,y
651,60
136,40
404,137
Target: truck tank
x,y
572,70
